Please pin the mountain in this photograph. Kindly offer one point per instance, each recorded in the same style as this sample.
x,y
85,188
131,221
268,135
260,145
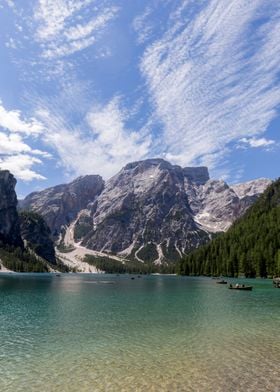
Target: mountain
x,y
151,211
216,205
60,205
25,243
9,220
251,246
143,212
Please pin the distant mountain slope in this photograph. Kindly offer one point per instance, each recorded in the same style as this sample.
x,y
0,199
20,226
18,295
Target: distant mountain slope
x,y
59,205
250,247
151,211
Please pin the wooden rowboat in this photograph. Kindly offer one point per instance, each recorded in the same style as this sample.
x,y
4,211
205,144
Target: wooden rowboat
x,y
240,287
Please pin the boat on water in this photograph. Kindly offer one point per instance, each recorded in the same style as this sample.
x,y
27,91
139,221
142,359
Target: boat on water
x,y
276,283
240,287
221,281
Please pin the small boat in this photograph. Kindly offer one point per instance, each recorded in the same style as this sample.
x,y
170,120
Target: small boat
x,y
132,278
221,282
276,283
240,287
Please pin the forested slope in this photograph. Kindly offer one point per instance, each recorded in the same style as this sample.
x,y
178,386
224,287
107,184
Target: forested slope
x,y
251,247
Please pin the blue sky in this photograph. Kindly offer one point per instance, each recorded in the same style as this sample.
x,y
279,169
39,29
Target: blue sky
x,y
89,85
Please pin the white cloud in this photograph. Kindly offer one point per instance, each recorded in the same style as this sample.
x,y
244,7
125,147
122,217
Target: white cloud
x,y
256,143
60,31
212,79
142,26
107,146
10,3
11,144
16,154
11,43
21,166
13,121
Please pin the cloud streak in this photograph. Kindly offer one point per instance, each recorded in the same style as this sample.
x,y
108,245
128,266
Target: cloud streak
x,y
13,121
16,154
107,145
59,28
213,76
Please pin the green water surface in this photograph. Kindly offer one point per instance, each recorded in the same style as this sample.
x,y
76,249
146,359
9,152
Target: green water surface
x,y
155,333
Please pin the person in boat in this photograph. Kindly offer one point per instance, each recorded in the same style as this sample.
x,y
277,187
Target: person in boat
x,y
237,285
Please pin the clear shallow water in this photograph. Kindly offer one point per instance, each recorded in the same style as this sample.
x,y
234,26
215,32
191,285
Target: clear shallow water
x,y
157,333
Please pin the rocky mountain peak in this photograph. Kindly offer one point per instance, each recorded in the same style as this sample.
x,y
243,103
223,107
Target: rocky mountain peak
x,y
251,188
197,175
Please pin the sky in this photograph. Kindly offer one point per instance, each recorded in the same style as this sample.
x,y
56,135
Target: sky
x,y
87,86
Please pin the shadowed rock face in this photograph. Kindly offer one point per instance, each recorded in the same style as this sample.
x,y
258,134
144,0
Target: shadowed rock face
x,y
37,235
9,220
60,205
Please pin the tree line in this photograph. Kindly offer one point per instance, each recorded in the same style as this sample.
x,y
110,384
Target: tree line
x,y
251,247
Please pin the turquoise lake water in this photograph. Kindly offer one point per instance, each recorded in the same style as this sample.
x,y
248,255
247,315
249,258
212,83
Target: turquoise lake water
x,y
157,333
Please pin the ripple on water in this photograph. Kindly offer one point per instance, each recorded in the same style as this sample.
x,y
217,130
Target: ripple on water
x,y
155,334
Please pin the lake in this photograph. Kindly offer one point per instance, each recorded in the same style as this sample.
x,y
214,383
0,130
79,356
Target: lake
x,y
155,333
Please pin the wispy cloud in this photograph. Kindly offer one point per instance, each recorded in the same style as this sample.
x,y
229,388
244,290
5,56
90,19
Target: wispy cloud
x,y
21,166
143,26
107,145
16,154
257,143
60,31
13,121
213,76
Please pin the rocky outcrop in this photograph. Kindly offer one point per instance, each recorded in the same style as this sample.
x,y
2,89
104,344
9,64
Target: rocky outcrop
x,y
196,175
60,205
9,220
37,235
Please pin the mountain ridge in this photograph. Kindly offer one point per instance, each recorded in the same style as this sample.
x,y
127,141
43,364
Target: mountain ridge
x,y
150,211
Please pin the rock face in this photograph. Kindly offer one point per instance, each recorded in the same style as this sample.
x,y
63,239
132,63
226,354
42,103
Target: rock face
x,y
151,210
144,212
216,205
37,235
9,220
60,205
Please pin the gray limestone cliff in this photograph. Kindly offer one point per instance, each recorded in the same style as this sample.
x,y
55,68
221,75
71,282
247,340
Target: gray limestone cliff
x,y
59,205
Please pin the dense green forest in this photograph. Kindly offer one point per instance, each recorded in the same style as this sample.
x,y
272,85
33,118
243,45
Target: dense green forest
x,y
132,267
23,260
251,247
19,260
